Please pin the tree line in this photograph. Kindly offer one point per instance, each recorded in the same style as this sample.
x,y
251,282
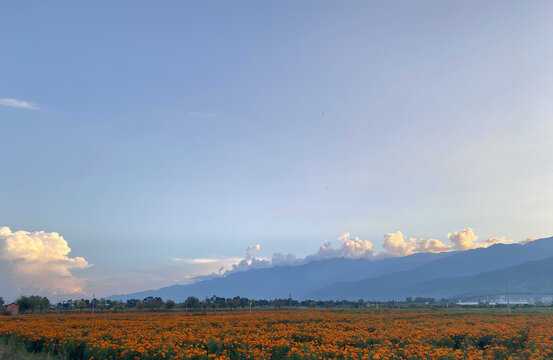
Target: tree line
x,y
39,304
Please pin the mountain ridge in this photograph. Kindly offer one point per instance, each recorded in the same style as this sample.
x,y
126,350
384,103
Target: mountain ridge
x,y
352,279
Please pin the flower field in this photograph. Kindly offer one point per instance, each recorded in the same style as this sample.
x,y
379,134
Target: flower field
x,y
284,335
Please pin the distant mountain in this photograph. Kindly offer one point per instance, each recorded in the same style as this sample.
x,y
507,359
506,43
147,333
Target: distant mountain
x,y
440,275
279,282
418,281
528,278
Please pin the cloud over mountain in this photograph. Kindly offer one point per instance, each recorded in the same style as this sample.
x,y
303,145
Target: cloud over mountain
x,y
395,245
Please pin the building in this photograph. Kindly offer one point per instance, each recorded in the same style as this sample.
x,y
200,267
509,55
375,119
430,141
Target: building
x,y
12,309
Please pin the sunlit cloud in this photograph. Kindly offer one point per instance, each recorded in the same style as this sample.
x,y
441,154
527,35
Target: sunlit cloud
x,y
396,245
467,240
18,104
39,261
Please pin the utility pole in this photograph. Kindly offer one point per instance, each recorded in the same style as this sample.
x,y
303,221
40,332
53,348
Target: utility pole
x,y
508,300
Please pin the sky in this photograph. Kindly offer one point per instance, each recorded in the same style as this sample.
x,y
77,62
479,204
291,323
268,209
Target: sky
x,y
145,143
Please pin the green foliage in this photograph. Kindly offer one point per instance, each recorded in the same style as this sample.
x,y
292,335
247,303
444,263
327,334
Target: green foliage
x,y
169,304
192,302
153,302
32,303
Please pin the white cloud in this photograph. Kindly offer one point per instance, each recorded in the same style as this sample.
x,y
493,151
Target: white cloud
x,y
396,245
353,248
251,249
467,240
38,261
18,104
206,260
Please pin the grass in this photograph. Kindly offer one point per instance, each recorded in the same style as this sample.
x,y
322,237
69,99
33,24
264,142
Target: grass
x,y
11,350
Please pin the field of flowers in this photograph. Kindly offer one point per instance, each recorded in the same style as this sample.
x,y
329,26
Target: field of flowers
x,y
284,335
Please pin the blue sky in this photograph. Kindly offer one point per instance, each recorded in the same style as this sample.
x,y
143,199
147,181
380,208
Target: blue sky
x,y
193,129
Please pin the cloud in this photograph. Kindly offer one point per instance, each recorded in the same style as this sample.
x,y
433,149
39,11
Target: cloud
x,y
529,240
467,240
18,104
251,249
39,261
250,262
205,260
353,248
396,245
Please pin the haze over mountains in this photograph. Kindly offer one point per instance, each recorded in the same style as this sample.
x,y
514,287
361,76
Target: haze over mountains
x,y
461,274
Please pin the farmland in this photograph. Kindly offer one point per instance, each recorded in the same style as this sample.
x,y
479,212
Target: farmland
x,y
301,334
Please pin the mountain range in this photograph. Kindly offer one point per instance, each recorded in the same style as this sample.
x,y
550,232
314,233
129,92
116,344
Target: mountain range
x,y
528,268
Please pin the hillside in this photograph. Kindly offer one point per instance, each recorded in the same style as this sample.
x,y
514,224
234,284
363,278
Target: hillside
x,y
279,282
429,275
465,264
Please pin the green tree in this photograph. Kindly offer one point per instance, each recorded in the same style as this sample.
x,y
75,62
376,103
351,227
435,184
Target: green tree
x,y
233,303
1,301
153,302
169,304
192,302
277,304
81,304
114,304
102,304
312,304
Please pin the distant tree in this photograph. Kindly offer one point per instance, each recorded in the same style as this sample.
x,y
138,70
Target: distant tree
x,y
169,304
204,304
277,304
243,301
81,304
153,302
234,304
32,303
139,305
102,304
192,302
1,301
312,304
24,304
131,303
94,303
